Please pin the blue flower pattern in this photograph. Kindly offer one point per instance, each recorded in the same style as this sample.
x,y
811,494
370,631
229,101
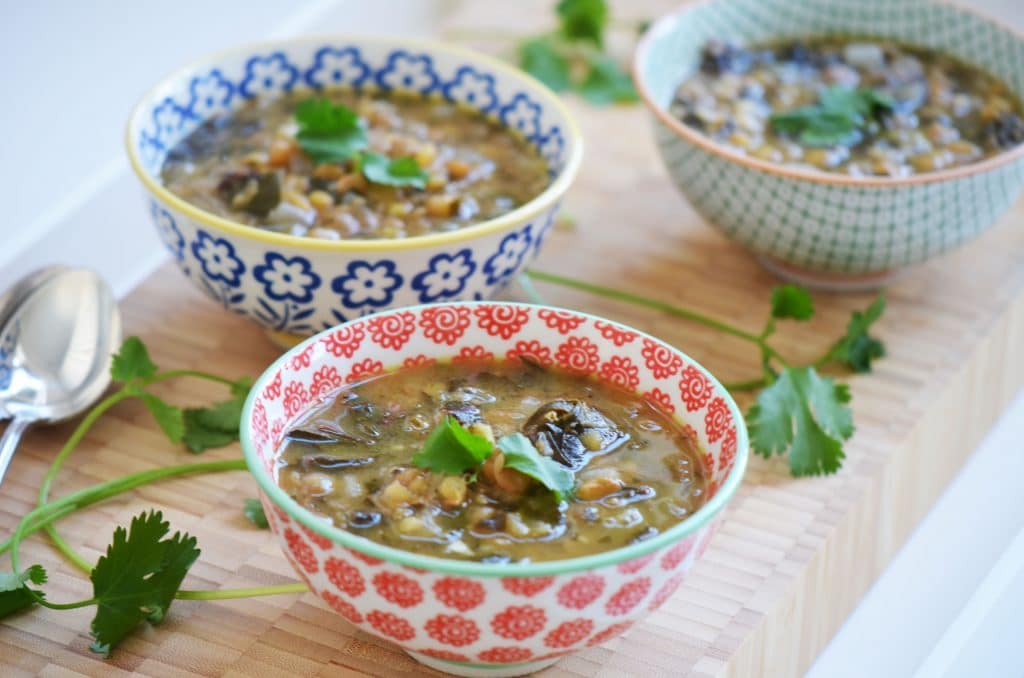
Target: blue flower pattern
x,y
503,263
289,284
265,74
332,67
445,276
472,88
365,284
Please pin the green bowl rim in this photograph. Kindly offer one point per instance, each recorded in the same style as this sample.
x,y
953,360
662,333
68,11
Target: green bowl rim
x,y
471,568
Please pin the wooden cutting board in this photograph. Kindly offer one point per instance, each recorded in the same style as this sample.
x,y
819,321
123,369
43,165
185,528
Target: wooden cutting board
x,y
790,561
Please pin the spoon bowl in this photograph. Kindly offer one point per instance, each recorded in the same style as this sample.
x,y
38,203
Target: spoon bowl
x,y
56,346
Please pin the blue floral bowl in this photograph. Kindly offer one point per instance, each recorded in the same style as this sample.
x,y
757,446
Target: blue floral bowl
x,y
296,285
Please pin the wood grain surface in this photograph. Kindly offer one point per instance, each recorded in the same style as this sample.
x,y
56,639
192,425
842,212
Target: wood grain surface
x,y
788,564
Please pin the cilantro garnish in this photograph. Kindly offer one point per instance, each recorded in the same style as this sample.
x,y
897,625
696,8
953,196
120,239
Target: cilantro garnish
x,y
131,362
858,349
573,58
521,455
254,513
217,425
330,132
14,591
793,302
451,449
839,118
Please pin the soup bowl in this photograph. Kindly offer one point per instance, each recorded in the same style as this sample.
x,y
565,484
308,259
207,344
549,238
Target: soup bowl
x,y
474,618
830,230
300,285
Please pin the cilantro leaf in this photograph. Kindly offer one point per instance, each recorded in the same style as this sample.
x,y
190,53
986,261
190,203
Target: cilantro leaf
x,y
131,361
858,349
137,578
218,424
329,132
540,58
254,512
451,449
167,416
14,591
606,82
380,169
583,19
806,414
521,455
792,301
839,117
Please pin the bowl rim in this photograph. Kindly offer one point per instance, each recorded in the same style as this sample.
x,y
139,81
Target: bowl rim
x,y
663,25
336,535
526,212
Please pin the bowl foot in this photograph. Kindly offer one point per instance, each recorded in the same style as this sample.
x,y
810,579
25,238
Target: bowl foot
x,y
471,670
831,282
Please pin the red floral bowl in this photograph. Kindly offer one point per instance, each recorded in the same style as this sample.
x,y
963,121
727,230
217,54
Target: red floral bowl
x,y
470,618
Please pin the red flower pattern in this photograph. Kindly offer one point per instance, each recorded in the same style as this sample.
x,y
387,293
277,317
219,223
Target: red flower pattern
x,y
635,565
695,388
273,389
577,354
628,596
451,629
660,359
505,655
260,426
342,607
708,461
472,353
531,350
322,542
519,622
677,553
295,398
621,371
418,361
344,341
612,631
728,453
666,591
444,654
392,330
462,594
614,333
444,324
398,589
325,380
526,586
569,633
345,576
563,321
302,359
581,591
501,321
391,625
367,367
369,560
302,552
281,515
661,400
717,420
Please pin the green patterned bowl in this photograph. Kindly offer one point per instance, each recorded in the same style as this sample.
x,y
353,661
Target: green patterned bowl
x,y
830,230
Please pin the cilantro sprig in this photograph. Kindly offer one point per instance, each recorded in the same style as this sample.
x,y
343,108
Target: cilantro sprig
x,y
840,117
451,449
330,132
798,412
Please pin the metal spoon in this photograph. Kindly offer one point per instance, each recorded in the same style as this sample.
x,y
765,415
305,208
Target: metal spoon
x,y
58,343
13,298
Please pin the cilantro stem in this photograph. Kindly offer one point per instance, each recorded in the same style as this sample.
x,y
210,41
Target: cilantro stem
x,y
228,594
749,385
199,374
62,606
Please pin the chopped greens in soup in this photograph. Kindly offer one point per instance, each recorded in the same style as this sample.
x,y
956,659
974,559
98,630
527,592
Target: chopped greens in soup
x,y
493,462
351,165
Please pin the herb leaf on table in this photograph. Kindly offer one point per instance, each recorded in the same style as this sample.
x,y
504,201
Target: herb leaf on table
x,y
857,349
792,302
540,58
131,362
583,20
216,425
253,511
14,590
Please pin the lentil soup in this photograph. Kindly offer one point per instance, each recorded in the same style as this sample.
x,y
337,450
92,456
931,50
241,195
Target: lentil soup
x,y
853,106
252,166
634,470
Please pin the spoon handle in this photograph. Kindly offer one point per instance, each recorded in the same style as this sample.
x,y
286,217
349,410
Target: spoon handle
x,y
9,442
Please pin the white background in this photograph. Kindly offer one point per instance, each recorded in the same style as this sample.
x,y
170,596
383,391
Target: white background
x,y
950,604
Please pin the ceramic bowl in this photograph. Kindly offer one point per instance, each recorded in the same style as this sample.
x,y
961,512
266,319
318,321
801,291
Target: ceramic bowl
x,y
479,619
826,229
302,285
